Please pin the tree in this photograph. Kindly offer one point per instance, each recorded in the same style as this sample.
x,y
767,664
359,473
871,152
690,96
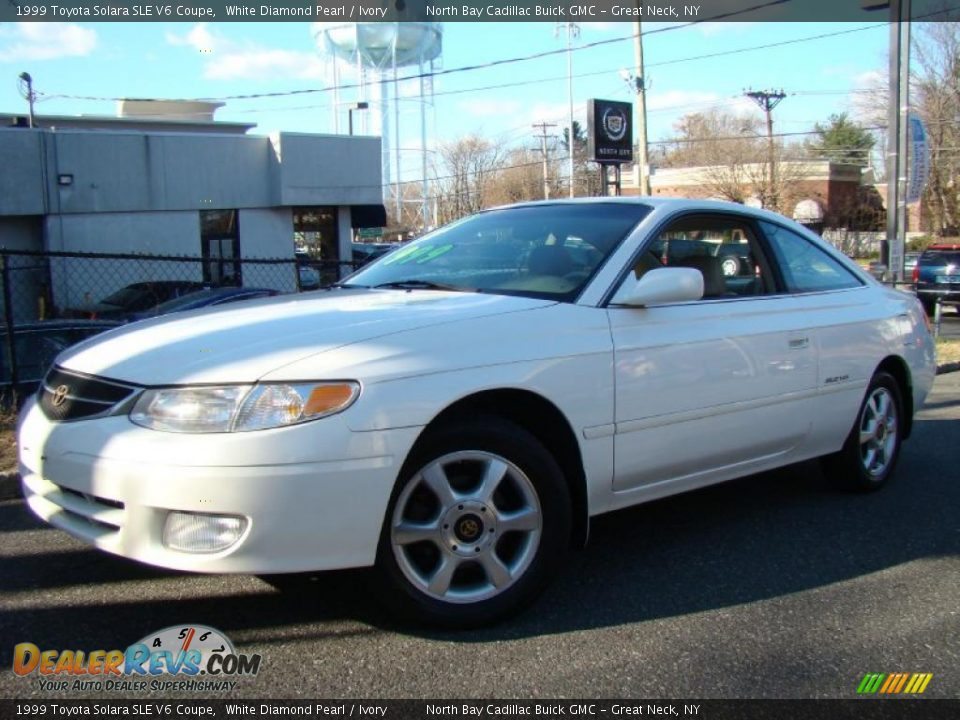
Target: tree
x,y
936,95
585,173
733,157
464,176
521,178
841,140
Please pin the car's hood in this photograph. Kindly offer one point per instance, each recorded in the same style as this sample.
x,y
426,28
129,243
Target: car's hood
x,y
241,344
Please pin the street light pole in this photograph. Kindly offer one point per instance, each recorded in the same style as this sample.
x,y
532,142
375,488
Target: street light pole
x,y
29,95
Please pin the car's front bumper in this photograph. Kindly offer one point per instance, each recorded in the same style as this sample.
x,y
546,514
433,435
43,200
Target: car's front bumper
x,y
314,495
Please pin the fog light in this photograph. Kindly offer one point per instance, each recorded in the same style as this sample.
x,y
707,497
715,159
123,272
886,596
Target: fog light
x,y
196,533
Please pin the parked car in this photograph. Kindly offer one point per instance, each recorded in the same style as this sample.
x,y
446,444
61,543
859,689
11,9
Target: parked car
x,y
364,253
139,297
36,345
937,275
455,413
210,297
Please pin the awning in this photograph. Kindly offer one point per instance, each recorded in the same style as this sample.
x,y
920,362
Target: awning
x,y
368,216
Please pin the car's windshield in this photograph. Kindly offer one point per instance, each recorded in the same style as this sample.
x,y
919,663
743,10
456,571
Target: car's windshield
x,y
545,251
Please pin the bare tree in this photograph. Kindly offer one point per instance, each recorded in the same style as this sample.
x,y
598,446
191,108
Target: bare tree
x,y
936,95
520,178
464,176
734,158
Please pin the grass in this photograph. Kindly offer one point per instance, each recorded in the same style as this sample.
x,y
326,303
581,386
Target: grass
x,y
948,350
8,441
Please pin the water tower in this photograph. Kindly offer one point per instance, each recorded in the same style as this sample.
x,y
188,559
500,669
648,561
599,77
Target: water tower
x,y
366,60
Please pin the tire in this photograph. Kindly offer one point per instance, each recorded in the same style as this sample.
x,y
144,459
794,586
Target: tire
x,y
730,266
869,455
476,526
929,306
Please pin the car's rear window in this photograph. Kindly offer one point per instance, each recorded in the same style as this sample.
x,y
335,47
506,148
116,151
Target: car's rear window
x,y
939,258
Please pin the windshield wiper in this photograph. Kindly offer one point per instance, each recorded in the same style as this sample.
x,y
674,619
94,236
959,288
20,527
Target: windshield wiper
x,y
420,285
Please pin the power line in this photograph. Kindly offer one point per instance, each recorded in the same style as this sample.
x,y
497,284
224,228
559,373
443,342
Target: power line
x,y
465,68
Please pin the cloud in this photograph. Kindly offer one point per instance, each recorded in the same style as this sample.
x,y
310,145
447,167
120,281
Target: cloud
x,y
870,79
45,41
234,60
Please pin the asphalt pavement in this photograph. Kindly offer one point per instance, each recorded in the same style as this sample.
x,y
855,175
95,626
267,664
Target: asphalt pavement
x,y
775,585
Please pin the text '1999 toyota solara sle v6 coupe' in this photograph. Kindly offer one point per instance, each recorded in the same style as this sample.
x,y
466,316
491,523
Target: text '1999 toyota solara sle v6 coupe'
x,y
455,413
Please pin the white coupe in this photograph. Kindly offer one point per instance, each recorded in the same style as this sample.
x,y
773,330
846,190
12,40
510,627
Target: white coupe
x,y
456,412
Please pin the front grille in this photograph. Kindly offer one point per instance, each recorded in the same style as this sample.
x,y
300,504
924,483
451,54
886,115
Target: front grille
x,y
66,395
99,513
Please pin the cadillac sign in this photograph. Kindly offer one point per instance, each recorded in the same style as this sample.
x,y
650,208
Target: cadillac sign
x,y
609,131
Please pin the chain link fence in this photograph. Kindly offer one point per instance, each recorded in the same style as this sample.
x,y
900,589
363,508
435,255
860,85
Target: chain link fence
x,y
50,300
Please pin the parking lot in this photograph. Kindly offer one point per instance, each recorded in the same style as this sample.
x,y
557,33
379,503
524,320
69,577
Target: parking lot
x,y
772,586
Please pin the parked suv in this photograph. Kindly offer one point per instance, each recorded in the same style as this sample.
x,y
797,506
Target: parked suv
x,y
937,275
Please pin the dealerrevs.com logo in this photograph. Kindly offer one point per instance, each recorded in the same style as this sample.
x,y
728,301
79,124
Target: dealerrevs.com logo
x,y
180,657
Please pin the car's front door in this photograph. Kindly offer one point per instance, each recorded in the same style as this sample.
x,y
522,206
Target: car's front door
x,y
712,387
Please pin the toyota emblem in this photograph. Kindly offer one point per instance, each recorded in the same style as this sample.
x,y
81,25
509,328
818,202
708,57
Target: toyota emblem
x,y
60,395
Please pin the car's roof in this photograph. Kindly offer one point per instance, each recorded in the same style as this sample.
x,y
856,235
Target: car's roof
x,y
670,203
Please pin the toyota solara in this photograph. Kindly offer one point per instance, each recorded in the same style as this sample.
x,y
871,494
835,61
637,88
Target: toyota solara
x,y
456,412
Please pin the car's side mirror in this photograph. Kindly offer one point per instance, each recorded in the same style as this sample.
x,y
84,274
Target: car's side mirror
x,y
660,286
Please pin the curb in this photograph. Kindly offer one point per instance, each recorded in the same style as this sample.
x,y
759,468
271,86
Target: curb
x,y
10,485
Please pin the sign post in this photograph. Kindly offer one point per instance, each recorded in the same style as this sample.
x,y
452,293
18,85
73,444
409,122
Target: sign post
x,y
610,138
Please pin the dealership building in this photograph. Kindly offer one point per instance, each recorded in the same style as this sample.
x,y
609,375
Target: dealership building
x,y
165,178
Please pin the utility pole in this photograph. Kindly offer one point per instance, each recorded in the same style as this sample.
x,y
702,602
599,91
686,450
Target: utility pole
x,y
641,121
891,249
543,149
768,100
573,30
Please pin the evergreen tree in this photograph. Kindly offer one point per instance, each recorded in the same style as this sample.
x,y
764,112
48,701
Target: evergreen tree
x,y
842,140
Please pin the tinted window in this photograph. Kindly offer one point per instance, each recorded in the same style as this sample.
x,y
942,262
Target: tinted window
x,y
547,251
805,267
939,258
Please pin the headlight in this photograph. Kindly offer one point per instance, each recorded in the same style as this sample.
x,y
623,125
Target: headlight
x,y
238,408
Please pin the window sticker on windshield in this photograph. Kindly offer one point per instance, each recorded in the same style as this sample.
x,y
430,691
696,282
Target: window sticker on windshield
x,y
418,255
435,253
404,255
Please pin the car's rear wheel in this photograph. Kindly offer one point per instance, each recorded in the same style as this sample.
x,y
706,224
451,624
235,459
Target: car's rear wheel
x,y
869,455
476,526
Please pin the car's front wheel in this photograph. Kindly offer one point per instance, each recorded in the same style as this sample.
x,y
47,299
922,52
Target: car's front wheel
x,y
869,455
476,526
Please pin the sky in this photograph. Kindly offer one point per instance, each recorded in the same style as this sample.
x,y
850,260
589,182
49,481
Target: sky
x,y
822,67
